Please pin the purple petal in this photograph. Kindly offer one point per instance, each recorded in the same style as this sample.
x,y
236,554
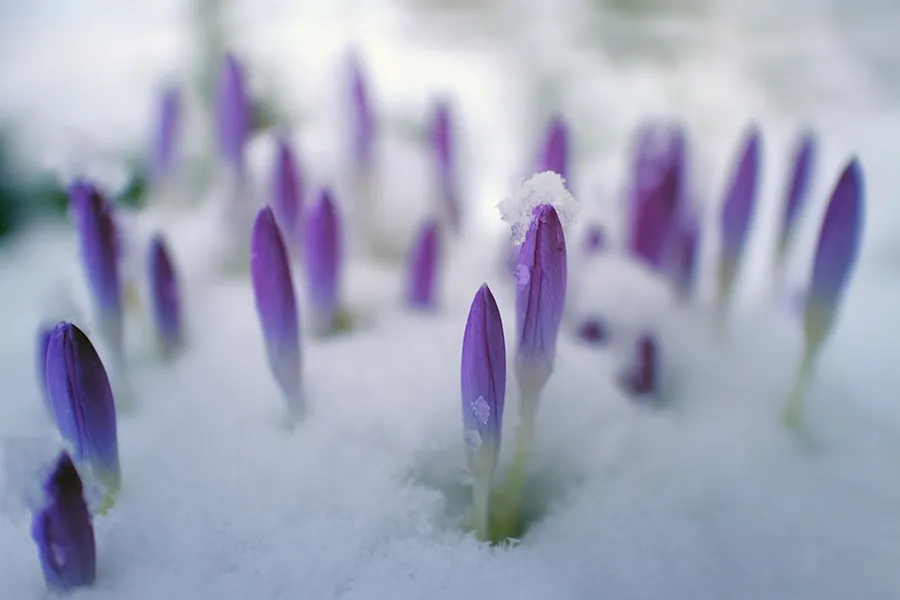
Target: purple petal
x,y
483,375
839,240
442,143
554,154
423,268
641,376
43,341
287,195
82,401
233,113
540,295
276,305
63,531
164,295
168,125
362,116
740,199
656,190
798,189
323,261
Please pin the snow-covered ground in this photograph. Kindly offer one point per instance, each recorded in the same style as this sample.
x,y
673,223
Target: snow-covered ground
x,y
708,497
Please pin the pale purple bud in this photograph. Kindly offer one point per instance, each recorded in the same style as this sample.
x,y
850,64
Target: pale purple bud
x,y
740,199
592,331
641,375
684,255
167,130
541,275
233,113
165,298
82,402
421,289
276,305
554,154
362,117
797,190
287,196
63,531
594,240
442,141
483,379
323,262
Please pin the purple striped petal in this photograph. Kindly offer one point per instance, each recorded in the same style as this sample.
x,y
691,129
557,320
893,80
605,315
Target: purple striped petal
x,y
276,305
82,402
541,275
554,154
483,378
164,296
797,190
287,196
423,268
233,113
63,531
362,116
323,262
442,142
168,126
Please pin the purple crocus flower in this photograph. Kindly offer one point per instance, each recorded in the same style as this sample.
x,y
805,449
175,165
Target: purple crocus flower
x,y
483,386
656,190
737,213
99,253
323,262
835,259
63,531
82,402
43,340
164,296
287,196
233,113
421,289
541,275
642,373
554,154
168,125
362,116
276,305
797,190
442,142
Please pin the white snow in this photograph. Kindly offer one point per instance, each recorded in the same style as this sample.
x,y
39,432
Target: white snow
x,y
707,497
539,189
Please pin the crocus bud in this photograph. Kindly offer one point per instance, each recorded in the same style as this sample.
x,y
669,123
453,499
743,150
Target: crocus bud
x,y
592,331
594,240
276,306
656,191
541,275
43,340
82,402
63,531
362,118
640,377
737,214
483,386
835,259
554,154
442,142
797,190
164,157
323,263
99,246
421,291
233,113
684,256
165,298
287,196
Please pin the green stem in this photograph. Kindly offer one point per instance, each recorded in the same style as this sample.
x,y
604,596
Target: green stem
x,y
481,493
509,524
794,407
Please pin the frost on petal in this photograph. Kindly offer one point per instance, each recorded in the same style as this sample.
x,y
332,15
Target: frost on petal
x,y
423,268
287,195
797,189
740,198
273,290
82,402
63,531
233,112
323,261
540,189
483,373
164,294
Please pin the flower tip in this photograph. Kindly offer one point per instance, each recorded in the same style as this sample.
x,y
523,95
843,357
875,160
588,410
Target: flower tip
x,y
164,296
323,262
423,268
592,331
641,375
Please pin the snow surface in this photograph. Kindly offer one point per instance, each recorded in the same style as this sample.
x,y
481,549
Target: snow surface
x,y
705,496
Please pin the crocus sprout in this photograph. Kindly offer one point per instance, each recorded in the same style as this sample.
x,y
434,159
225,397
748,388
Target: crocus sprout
x,y
483,385
736,218
554,155
287,196
594,240
165,298
835,259
323,264
641,375
422,276
83,406
62,529
233,114
683,252
276,306
164,153
796,193
443,145
362,117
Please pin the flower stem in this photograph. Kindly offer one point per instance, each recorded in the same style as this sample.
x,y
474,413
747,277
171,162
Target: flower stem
x,y
508,523
794,407
481,492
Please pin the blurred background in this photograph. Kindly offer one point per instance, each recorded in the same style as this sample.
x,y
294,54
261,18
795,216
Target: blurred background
x,y
80,81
